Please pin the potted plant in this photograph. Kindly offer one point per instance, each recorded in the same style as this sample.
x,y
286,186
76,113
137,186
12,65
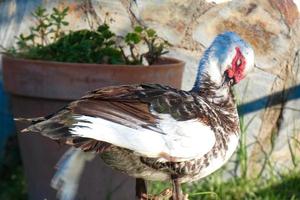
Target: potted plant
x,y
50,67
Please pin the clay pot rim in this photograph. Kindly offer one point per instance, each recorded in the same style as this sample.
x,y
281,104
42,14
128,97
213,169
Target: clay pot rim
x,y
165,62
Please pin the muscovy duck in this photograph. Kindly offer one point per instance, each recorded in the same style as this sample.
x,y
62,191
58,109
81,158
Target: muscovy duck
x,y
155,132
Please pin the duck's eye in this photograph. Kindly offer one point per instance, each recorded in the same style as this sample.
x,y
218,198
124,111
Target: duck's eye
x,y
238,62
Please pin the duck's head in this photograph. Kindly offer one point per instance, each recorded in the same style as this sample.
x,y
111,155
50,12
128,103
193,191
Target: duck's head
x,y
226,62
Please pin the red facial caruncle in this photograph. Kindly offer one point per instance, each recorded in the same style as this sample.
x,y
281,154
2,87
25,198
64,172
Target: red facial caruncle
x,y
238,65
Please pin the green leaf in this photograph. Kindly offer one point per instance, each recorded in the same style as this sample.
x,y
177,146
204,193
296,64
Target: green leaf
x,y
150,32
132,38
54,17
65,23
65,11
102,28
110,43
138,29
55,10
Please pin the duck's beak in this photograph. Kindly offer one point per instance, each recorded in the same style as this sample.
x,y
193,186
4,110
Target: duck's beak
x,y
228,80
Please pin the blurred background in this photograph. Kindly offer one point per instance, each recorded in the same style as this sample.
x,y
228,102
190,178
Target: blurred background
x,y
266,165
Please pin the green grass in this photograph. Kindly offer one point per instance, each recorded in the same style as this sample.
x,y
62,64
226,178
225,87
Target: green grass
x,y
259,188
283,187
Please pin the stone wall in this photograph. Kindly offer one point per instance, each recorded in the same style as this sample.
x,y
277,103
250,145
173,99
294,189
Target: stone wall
x,y
270,26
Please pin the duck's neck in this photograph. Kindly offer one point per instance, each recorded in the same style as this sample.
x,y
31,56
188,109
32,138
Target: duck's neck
x,y
209,80
210,86
210,90
222,105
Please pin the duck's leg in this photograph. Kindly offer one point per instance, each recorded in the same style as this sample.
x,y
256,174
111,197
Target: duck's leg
x,y
140,189
177,191
141,192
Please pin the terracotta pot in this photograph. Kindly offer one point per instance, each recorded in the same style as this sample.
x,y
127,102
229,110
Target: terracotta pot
x,y
39,88
69,81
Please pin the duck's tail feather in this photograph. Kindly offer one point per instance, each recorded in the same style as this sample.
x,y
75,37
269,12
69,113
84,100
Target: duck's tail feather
x,y
69,170
30,121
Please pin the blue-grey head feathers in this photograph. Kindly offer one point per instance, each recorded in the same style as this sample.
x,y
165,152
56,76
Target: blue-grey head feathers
x,y
220,54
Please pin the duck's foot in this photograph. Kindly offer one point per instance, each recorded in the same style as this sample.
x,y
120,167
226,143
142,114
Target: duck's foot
x,y
182,197
167,194
164,195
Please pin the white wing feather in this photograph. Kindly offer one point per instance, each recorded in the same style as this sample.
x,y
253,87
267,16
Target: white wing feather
x,y
179,140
